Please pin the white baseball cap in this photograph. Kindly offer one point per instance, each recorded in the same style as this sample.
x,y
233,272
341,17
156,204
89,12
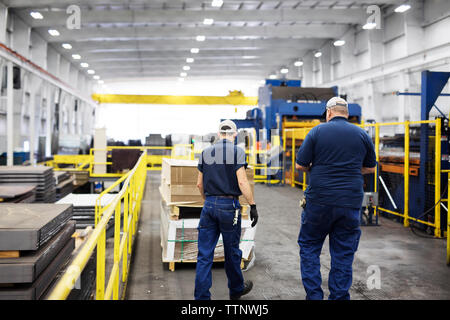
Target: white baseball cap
x,y
336,101
227,126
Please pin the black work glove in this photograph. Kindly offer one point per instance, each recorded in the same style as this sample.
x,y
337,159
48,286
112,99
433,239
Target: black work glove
x,y
253,215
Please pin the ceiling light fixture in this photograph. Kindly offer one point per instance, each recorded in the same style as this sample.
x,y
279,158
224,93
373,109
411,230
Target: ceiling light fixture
x,y
96,77
183,74
217,3
36,15
200,38
195,50
76,56
208,21
298,63
190,60
272,76
402,8
284,70
53,32
101,81
90,71
67,46
318,54
186,68
369,26
339,43
84,65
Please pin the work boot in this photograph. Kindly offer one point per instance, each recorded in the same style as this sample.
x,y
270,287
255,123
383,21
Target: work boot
x,y
248,285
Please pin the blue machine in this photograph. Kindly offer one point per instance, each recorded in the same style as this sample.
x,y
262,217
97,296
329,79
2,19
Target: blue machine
x,y
253,120
282,100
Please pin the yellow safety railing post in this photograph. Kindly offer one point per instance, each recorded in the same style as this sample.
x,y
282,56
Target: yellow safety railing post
x,y
377,156
293,162
116,248
448,224
284,156
125,231
101,248
406,177
437,179
130,219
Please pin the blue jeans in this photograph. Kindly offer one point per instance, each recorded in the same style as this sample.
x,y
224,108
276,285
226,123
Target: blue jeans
x,y
342,227
217,218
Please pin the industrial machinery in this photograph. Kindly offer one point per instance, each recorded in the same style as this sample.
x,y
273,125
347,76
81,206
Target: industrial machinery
x,y
286,106
423,203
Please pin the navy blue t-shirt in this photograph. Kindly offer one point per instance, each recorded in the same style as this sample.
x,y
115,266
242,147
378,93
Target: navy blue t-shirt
x,y
337,150
219,164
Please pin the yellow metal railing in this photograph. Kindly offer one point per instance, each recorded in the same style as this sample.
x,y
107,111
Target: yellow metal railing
x,y
155,161
300,133
128,201
77,162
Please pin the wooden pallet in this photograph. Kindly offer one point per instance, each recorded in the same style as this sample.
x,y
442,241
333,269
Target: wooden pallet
x,y
9,254
186,210
172,263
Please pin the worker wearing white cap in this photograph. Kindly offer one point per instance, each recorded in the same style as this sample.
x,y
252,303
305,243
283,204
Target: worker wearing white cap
x,y
221,180
335,154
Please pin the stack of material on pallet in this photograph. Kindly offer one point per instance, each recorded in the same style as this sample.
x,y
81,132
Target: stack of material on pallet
x,y
84,208
81,177
39,176
35,242
17,193
180,213
179,236
179,182
64,184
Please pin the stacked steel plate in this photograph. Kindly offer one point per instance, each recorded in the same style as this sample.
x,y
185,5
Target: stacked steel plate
x,y
39,176
12,193
64,184
35,242
84,208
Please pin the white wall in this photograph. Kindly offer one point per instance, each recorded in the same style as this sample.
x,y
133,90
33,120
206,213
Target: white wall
x,y
136,121
375,63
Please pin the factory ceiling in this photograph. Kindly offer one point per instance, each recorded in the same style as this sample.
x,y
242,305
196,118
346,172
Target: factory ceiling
x,y
138,38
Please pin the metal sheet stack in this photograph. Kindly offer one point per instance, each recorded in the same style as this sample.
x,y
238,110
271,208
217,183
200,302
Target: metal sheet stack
x,y
64,184
84,208
35,242
39,176
12,193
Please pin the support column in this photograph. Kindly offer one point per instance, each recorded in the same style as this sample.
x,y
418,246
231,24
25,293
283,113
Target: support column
x,y
32,128
10,116
325,61
308,70
3,22
48,122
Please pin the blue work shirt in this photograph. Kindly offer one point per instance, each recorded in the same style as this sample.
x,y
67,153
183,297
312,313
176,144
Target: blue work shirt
x,y
336,150
219,164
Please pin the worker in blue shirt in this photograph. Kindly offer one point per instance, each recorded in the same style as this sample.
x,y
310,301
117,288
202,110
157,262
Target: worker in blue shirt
x,y
336,154
221,180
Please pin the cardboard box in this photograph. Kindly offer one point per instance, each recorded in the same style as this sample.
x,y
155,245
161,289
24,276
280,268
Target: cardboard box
x,y
179,182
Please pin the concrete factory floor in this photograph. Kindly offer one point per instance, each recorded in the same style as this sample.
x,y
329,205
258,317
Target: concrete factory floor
x,y
411,267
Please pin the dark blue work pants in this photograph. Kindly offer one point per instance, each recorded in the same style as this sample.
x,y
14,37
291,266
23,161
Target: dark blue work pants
x,y
217,218
342,227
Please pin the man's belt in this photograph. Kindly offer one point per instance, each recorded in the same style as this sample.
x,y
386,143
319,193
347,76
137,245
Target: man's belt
x,y
227,197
